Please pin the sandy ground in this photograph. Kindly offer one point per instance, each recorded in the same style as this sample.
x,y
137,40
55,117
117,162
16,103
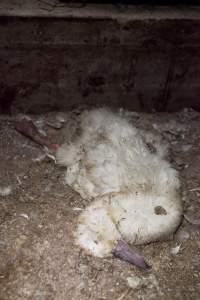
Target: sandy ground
x,y
38,258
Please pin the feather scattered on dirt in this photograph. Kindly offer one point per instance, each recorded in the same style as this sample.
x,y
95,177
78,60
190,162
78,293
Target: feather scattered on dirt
x,y
175,250
5,191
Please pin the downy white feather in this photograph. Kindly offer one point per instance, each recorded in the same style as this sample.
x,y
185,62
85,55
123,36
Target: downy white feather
x,y
135,191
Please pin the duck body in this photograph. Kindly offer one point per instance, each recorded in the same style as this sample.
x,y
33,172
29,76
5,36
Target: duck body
x,y
134,191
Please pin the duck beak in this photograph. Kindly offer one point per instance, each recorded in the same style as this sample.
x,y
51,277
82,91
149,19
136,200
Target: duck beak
x,y
123,251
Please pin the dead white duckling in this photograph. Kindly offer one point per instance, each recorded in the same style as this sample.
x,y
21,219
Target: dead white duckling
x,y
135,190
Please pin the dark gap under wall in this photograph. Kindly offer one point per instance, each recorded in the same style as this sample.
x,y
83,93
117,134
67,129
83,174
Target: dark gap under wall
x,y
60,63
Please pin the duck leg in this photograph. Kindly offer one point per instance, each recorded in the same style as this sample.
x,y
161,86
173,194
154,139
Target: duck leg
x,y
26,126
123,251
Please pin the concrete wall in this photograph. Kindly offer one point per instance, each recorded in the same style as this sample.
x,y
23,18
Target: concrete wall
x,y
58,63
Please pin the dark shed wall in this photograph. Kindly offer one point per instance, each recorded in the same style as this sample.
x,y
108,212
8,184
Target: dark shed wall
x,y
49,63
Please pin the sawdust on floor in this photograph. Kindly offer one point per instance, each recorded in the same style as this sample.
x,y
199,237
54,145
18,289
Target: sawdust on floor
x,y
38,258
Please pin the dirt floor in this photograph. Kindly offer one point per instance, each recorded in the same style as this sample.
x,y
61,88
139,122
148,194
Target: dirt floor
x,y
38,212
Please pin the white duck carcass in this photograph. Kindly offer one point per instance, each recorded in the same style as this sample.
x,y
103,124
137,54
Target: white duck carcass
x,y
134,191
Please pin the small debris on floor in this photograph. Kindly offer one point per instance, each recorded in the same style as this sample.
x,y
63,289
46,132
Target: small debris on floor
x,y
136,282
5,191
175,250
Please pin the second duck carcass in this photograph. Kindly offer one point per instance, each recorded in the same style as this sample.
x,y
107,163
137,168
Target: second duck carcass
x,y
133,190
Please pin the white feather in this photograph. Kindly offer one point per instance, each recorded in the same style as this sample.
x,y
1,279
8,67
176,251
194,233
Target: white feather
x,y
5,191
135,190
